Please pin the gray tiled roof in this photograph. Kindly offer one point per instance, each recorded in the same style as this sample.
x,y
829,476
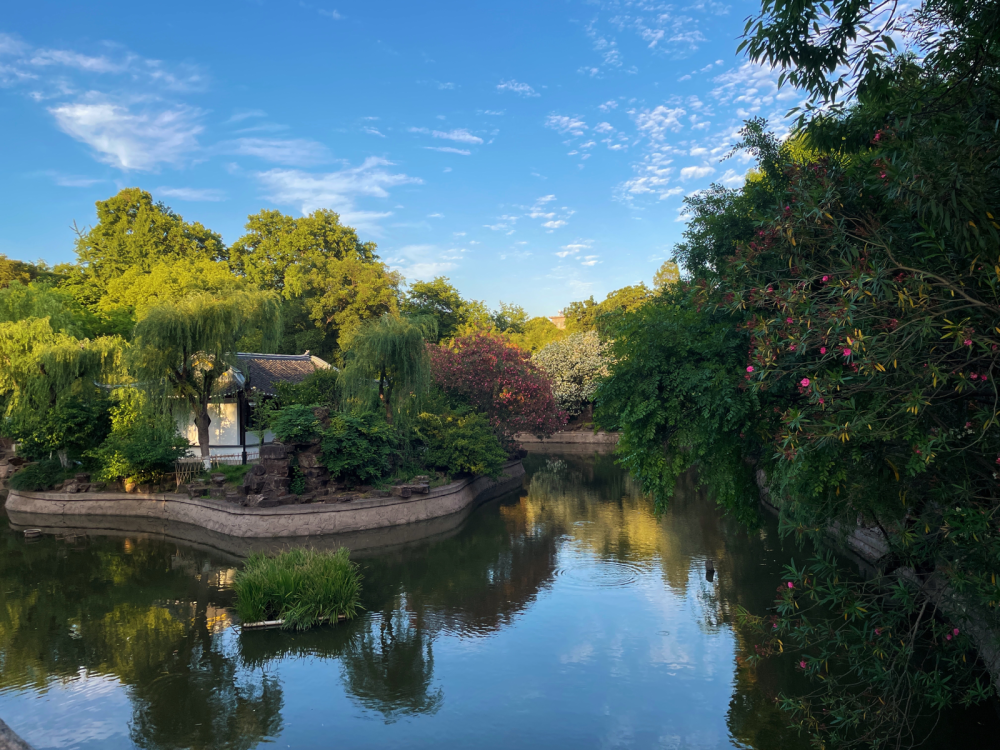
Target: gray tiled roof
x,y
264,371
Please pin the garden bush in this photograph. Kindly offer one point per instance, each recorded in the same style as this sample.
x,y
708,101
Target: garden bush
x,y
301,587
358,448
143,444
42,475
461,444
296,424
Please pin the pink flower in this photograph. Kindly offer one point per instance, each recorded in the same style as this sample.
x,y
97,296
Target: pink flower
x,y
822,350
878,631
802,664
791,585
955,631
822,401
948,637
788,320
968,425
749,368
974,376
826,279
967,342
804,382
847,352
791,348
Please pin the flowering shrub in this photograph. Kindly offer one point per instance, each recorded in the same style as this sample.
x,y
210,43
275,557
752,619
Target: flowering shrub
x,y
576,365
484,371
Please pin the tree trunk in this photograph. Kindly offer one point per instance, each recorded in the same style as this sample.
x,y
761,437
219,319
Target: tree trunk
x,y
202,421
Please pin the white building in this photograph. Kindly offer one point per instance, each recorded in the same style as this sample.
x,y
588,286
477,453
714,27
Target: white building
x,y
230,432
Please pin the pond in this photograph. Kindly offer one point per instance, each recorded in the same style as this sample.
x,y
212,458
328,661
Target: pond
x,y
565,615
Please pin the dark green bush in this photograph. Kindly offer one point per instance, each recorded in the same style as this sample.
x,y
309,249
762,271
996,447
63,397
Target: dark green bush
x,y
461,443
74,424
296,424
41,476
143,444
359,448
301,587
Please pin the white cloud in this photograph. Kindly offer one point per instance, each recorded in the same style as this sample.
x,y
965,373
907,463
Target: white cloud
x,y
574,247
522,89
373,131
732,178
493,112
70,59
240,116
696,173
449,150
132,140
590,260
608,105
565,125
329,14
555,224
656,122
295,152
70,180
604,127
336,190
424,261
435,216
459,134
191,194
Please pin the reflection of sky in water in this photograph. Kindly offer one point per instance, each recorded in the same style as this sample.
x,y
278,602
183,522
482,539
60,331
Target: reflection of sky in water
x,y
89,711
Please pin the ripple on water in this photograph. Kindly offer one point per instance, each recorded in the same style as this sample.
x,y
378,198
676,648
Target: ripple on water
x,y
602,573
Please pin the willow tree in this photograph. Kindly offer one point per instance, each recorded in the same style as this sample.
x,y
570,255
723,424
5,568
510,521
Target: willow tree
x,y
391,352
186,349
40,368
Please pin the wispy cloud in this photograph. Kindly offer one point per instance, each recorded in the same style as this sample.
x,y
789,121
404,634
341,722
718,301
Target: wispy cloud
x,y
132,140
522,89
425,261
296,152
449,150
198,195
460,135
565,125
373,131
246,114
339,190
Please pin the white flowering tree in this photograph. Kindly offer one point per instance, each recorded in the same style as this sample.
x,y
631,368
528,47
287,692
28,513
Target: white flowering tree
x,y
576,365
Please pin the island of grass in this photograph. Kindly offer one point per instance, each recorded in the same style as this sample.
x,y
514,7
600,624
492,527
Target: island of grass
x,y
298,589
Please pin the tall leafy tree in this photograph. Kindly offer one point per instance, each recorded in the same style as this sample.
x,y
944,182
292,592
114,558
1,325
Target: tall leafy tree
x,y
134,232
439,299
274,242
184,349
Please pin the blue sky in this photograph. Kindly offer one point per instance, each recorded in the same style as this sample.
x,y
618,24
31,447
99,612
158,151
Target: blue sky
x,y
534,152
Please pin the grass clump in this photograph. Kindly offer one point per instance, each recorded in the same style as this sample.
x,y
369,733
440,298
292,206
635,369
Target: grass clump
x,y
301,587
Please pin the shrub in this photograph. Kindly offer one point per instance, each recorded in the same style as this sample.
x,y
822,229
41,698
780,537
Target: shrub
x,y
41,476
321,387
458,443
296,424
143,444
576,366
484,371
73,424
301,587
358,448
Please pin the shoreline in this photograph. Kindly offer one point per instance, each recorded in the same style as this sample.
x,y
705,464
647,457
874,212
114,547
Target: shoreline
x,y
365,517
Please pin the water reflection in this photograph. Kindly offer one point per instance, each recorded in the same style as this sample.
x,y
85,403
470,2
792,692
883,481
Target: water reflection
x,y
565,614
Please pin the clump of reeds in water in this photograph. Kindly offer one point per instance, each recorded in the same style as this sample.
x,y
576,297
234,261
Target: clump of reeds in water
x,y
301,587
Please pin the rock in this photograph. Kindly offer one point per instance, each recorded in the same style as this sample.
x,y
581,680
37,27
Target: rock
x,y
279,483
82,477
253,501
218,479
383,493
277,467
314,473
420,479
269,502
274,452
145,489
311,449
97,487
72,488
310,461
258,470
402,491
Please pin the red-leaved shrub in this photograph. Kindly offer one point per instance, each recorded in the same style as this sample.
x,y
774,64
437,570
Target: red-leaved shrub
x,y
499,380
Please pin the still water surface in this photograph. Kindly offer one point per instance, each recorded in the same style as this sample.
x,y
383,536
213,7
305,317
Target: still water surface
x,y
566,615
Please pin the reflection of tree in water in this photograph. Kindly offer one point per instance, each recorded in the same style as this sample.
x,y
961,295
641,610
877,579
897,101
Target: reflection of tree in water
x,y
388,667
146,612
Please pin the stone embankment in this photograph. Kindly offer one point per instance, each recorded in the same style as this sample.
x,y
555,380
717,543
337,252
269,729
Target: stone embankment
x,y
273,512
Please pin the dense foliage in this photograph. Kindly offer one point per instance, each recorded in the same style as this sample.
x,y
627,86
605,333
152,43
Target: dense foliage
x,y
839,333
486,372
359,448
458,443
576,365
303,588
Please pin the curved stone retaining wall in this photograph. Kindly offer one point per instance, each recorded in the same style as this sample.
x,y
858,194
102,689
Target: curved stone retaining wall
x,y
318,519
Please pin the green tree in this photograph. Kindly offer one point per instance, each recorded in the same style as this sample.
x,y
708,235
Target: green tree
x,y
538,333
667,275
576,366
133,232
510,318
274,242
185,349
339,295
439,299
392,352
